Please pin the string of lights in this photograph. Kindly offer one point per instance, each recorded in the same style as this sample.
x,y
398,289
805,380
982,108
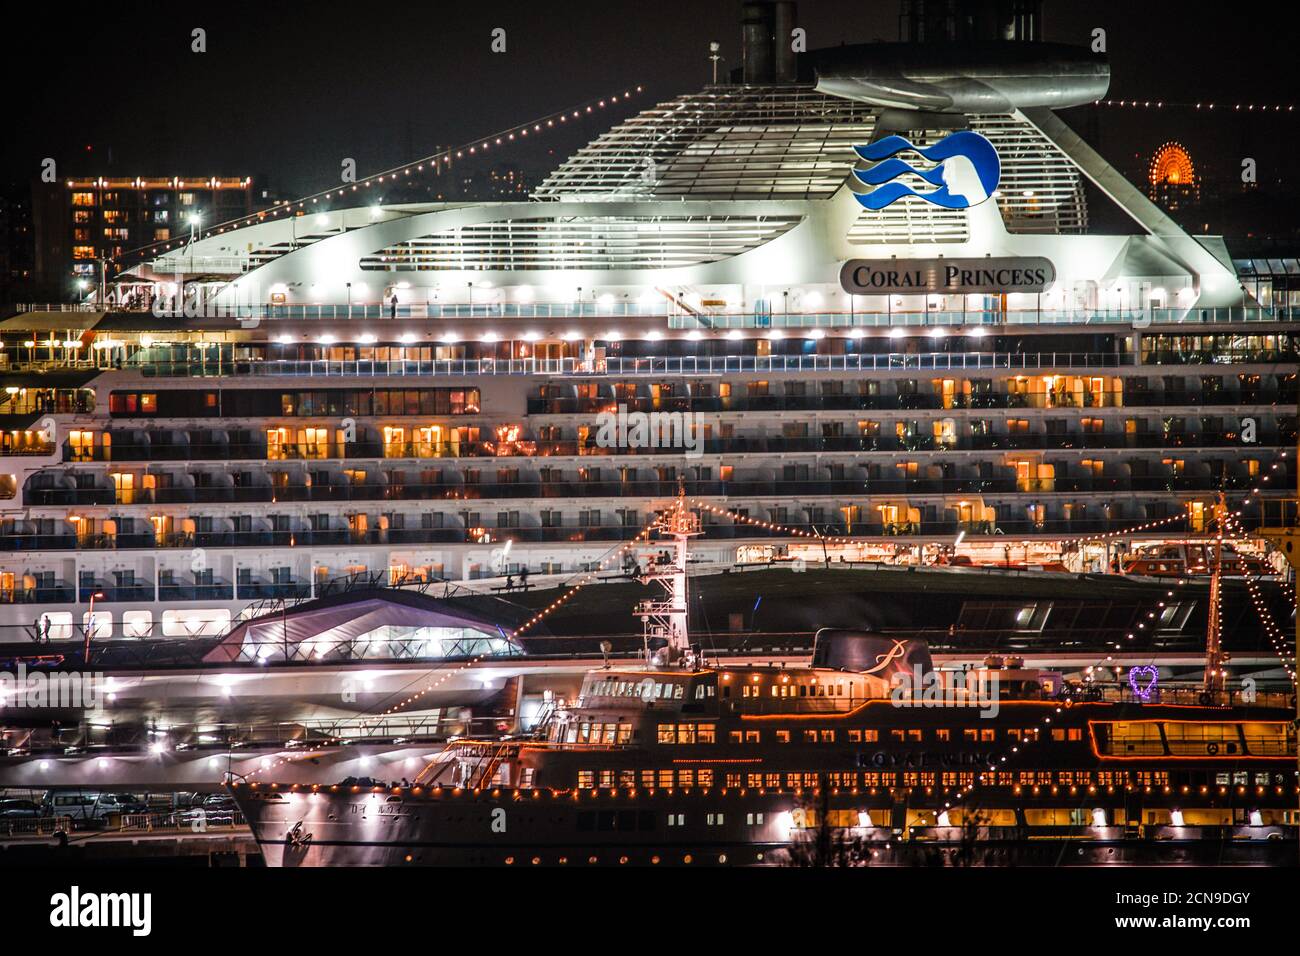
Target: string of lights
x,y
1125,532
1206,105
586,579
433,162
541,615
282,760
850,539
771,525
1275,634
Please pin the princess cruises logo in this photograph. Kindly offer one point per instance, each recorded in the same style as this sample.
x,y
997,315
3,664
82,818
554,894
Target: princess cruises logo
x,y
966,171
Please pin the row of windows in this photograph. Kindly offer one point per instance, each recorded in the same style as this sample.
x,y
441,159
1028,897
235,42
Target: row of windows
x,y
698,733
707,777
600,733
257,403
786,689
645,689
631,820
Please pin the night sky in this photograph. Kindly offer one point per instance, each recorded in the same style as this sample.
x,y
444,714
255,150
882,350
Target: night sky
x,y
286,90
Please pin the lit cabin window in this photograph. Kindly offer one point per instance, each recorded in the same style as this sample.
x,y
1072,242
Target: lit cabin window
x,y
783,736
810,736
586,779
943,733
677,819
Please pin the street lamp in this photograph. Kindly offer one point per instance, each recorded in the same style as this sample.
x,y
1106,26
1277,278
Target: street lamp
x,y
90,625
194,219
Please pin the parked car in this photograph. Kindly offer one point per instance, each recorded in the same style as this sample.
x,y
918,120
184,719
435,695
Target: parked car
x,y
89,806
19,809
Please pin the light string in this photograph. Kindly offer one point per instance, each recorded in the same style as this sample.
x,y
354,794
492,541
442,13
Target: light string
x,y
433,161
1206,105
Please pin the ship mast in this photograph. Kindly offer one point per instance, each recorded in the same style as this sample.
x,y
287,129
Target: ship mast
x,y
665,634
1215,657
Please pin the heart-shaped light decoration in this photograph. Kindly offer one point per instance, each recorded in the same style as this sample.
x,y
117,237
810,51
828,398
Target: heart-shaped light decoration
x,y
1143,680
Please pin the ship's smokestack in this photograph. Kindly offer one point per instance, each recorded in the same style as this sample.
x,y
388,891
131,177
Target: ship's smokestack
x,y
767,54
783,47
756,27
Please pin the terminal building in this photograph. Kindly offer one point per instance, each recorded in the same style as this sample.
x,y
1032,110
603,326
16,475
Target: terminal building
x,y
852,295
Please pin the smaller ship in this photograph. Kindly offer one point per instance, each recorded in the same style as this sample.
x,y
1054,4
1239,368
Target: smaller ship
x,y
864,755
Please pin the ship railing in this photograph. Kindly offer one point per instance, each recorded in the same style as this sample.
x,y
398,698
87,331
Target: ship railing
x,y
35,826
1139,318
615,366
1191,695
977,698
679,319
1080,831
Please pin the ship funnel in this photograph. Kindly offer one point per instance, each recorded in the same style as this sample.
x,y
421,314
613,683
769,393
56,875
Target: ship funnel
x,y
878,655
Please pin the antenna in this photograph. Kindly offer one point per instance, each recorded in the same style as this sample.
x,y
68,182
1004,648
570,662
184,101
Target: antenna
x,y
714,47
1215,656
664,620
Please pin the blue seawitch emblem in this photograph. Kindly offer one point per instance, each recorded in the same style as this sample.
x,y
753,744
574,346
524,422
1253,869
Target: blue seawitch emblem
x,y
967,172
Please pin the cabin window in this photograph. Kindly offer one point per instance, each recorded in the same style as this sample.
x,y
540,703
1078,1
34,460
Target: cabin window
x,y
855,736
988,734
677,819
897,734
827,736
783,736
586,779
754,819
734,736
665,779
751,736
715,819
704,778
685,778
810,736
943,733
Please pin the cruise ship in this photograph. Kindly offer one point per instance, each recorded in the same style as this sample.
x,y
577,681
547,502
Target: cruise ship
x,y
733,291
